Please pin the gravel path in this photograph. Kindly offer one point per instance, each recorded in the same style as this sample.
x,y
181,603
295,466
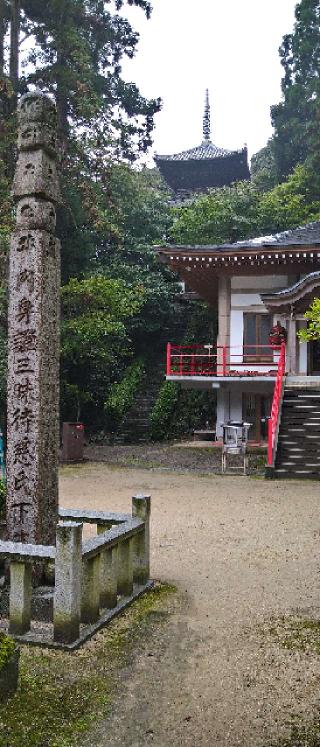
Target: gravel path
x,y
242,551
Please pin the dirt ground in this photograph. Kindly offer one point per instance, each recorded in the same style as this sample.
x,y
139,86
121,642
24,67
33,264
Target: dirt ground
x,y
244,555
194,456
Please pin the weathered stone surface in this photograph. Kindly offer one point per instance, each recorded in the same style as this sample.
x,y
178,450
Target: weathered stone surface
x,y
36,174
93,517
125,569
33,212
20,597
90,593
33,376
22,551
37,107
66,611
108,577
141,509
36,134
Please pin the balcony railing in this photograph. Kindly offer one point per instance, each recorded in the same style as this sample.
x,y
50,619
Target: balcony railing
x,y
207,359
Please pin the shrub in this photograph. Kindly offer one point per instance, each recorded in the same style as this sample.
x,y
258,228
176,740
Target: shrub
x,y
122,394
163,410
177,412
7,648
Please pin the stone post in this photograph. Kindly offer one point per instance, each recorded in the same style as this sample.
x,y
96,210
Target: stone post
x,y
125,571
20,597
67,594
141,508
90,589
33,373
108,577
108,571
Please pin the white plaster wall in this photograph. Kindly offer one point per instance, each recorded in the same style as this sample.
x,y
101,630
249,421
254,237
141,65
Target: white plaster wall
x,y
241,303
246,300
223,410
260,282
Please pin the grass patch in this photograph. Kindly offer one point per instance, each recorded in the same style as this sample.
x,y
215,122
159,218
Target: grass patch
x,y
301,734
61,694
297,634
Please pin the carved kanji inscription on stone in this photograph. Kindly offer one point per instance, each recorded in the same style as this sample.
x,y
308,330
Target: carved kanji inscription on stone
x,y
33,396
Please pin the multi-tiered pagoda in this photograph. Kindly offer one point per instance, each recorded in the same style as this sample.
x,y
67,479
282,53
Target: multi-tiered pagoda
x,y
203,167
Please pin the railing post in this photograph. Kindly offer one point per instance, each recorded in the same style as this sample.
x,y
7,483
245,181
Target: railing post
x,y
66,608
20,597
141,509
169,359
108,577
125,571
90,589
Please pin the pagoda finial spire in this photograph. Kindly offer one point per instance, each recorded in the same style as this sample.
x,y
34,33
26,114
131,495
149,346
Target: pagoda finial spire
x,y
206,120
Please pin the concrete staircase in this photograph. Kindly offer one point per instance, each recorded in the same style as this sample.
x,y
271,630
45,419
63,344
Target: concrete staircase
x,y
298,452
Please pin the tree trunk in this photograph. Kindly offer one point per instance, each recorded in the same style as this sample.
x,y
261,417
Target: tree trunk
x,y
2,35
14,43
62,109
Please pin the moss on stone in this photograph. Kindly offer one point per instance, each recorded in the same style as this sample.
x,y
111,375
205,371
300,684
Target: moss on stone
x,y
61,694
7,647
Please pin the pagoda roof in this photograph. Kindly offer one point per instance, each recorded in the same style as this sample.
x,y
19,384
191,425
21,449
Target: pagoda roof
x,y
207,151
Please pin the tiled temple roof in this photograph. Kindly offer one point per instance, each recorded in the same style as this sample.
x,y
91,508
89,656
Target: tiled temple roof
x,y
204,152
301,236
312,279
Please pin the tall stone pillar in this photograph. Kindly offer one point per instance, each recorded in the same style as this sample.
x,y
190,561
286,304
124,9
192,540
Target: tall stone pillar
x,y
33,375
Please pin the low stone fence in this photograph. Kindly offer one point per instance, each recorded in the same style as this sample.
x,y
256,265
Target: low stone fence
x,y
94,579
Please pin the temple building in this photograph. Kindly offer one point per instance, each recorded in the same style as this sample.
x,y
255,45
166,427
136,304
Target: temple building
x,y
257,285
205,167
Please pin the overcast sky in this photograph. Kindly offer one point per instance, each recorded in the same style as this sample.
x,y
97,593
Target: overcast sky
x,y
227,46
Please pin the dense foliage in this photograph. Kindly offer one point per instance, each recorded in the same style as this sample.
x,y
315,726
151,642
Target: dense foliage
x,y
243,211
313,318
121,395
296,118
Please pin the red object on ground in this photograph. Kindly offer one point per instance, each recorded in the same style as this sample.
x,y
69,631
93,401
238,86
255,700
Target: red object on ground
x,y
72,442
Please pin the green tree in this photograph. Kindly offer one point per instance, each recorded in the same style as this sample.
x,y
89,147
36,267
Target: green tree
x,y
313,318
243,211
295,137
95,342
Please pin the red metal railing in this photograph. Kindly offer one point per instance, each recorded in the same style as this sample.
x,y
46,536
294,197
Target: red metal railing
x,y
275,409
213,360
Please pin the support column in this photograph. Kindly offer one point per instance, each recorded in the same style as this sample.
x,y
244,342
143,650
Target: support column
x,y
20,597
66,609
224,311
292,346
141,508
125,571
